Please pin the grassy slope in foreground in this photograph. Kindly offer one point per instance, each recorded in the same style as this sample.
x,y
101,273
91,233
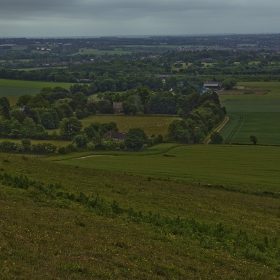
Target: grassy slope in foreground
x,y
246,167
56,236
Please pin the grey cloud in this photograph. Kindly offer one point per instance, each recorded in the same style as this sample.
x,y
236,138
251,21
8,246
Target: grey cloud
x,y
157,16
18,9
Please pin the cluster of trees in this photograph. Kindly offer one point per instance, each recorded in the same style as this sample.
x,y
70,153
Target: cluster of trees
x,y
57,108
91,139
88,139
34,115
144,100
197,123
26,147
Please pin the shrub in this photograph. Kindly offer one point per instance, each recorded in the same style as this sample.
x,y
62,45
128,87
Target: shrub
x,y
216,138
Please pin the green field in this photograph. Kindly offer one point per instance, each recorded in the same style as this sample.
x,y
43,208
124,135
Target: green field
x,y
150,124
253,114
99,52
12,89
253,167
99,224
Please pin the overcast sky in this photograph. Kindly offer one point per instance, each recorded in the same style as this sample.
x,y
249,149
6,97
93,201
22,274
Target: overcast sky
x,y
53,18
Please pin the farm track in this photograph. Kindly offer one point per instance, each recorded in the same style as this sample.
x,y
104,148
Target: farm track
x,y
241,119
217,129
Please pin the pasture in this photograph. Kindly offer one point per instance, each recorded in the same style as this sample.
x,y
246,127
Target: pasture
x,y
254,168
12,89
253,114
154,124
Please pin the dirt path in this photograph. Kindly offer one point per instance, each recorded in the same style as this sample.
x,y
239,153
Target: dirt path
x,y
218,128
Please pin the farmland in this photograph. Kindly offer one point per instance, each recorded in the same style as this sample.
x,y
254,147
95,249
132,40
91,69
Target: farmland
x,y
252,167
12,89
253,114
150,124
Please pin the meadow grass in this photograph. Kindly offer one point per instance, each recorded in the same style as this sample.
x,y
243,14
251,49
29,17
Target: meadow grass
x,y
244,167
17,88
154,124
97,224
32,84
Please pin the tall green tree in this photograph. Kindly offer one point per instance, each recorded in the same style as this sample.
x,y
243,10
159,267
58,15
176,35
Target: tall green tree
x,y
135,139
70,127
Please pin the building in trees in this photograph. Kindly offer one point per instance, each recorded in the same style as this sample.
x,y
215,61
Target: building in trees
x,y
213,85
117,106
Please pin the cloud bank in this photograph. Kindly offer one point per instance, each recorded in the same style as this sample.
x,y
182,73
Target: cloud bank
x,y
125,17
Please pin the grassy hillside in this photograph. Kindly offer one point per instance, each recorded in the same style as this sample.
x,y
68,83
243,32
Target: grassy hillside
x,y
103,225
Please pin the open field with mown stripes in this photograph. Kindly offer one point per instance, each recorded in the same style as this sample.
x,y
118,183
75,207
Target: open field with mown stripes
x,y
253,114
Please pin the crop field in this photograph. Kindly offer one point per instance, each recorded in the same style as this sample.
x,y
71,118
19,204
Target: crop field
x,y
253,167
150,124
71,222
12,89
99,52
265,126
253,114
273,89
